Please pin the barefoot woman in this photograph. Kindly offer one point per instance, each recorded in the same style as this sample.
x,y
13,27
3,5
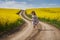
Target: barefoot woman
x,y
35,20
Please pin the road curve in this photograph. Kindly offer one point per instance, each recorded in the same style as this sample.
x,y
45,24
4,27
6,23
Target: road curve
x,y
47,32
26,32
23,34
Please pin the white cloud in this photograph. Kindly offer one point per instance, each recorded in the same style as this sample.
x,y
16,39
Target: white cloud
x,y
14,4
23,5
52,4
44,5
30,0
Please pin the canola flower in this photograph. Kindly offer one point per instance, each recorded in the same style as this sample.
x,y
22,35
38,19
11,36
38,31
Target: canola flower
x,y
9,11
49,13
8,16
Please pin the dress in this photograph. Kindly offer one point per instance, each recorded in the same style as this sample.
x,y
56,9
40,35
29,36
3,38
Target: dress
x,y
35,20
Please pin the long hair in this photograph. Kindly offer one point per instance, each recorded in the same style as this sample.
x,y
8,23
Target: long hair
x,y
33,13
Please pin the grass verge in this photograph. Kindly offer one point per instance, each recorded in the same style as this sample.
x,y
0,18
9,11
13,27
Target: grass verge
x,y
8,27
52,22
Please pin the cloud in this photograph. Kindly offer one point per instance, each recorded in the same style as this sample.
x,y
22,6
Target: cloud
x,y
30,0
15,4
24,5
44,5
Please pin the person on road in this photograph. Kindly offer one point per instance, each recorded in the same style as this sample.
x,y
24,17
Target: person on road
x,y
35,20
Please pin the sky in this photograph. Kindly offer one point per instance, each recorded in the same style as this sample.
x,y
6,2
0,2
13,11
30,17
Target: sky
x,y
24,4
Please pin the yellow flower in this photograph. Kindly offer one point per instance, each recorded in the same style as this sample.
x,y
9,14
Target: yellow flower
x,y
8,16
51,13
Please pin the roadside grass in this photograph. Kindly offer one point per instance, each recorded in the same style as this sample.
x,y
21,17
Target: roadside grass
x,y
9,20
47,20
11,26
52,22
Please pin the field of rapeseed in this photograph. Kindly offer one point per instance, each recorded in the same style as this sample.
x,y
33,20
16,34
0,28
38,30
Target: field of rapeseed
x,y
50,15
9,19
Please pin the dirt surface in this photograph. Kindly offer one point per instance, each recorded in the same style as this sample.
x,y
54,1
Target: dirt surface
x,y
46,32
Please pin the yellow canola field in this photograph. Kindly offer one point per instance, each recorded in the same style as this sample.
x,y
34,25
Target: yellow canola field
x,y
8,16
9,11
51,13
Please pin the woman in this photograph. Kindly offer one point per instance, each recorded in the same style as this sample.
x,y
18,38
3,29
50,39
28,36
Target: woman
x,y
35,20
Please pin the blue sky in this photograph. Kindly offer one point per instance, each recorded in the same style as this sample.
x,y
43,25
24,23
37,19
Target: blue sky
x,y
23,4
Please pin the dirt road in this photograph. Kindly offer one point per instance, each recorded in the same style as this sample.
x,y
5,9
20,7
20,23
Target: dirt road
x,y
23,34
47,32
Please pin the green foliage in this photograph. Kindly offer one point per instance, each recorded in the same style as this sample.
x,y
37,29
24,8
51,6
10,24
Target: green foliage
x,y
50,21
29,15
53,22
8,27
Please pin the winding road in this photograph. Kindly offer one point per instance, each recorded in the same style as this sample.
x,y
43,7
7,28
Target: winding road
x,y
47,32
